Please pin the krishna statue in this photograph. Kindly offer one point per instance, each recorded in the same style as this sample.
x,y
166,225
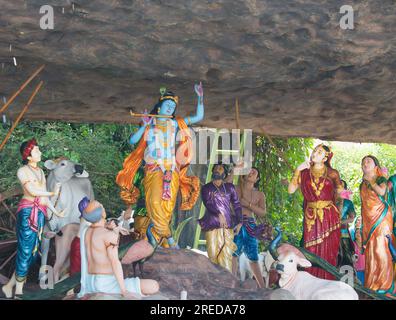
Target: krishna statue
x,y
164,151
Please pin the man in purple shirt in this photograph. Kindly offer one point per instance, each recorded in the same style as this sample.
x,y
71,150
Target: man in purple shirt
x,y
223,215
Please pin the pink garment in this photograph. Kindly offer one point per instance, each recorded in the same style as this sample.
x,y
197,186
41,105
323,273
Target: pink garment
x,y
359,263
167,179
35,205
346,194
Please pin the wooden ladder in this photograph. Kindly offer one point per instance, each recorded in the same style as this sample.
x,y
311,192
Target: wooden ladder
x,y
214,152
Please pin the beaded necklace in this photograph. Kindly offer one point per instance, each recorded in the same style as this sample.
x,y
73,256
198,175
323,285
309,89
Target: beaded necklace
x,y
38,178
315,180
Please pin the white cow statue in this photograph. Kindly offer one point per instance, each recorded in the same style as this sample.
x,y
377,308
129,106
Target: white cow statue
x,y
75,185
265,262
127,224
305,286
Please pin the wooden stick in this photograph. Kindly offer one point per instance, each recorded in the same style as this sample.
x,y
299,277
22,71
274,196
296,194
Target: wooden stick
x,y
149,115
21,115
9,210
237,113
239,136
16,191
3,279
7,230
279,152
8,260
7,242
4,108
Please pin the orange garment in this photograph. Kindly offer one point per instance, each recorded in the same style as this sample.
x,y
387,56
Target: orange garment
x,y
159,210
189,185
377,223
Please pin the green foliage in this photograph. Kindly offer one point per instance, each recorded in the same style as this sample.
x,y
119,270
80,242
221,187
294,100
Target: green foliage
x,y
176,233
347,160
283,209
100,148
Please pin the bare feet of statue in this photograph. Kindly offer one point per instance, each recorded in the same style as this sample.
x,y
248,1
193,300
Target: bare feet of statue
x,y
172,244
70,292
19,288
7,290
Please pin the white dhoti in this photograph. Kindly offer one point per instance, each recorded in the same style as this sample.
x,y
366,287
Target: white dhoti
x,y
101,283
107,283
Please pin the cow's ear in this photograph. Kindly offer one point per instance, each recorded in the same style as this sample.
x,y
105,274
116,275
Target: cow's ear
x,y
304,263
50,164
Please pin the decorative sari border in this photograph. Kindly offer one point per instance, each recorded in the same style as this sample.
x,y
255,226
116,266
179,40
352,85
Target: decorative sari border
x,y
321,238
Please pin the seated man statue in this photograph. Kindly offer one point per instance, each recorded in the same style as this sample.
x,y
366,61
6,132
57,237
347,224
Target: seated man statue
x,y
101,269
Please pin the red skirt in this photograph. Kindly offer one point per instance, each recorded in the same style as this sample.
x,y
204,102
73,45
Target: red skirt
x,y
324,240
75,256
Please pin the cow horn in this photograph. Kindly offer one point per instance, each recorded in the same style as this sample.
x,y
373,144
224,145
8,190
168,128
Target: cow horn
x,y
391,247
275,244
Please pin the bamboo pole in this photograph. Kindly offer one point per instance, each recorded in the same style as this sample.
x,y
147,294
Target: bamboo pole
x,y
271,142
238,127
21,114
279,152
237,113
4,108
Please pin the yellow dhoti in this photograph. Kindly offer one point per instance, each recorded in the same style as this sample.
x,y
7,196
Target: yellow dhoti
x,y
158,210
141,224
220,246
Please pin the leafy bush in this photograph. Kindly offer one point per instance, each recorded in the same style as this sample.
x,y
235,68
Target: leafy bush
x,y
283,209
100,148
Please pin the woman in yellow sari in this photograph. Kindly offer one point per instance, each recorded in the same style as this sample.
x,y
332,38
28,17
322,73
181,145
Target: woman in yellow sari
x,y
377,224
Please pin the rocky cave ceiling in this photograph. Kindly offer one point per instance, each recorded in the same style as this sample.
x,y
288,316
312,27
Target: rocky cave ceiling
x,y
295,71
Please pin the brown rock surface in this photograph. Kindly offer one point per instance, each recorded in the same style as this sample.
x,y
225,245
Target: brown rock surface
x,y
183,269
294,70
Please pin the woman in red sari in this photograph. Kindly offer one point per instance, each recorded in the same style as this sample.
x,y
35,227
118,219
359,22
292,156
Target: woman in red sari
x,y
319,184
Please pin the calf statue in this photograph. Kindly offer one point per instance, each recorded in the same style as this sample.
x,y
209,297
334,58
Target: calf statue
x,y
75,185
265,261
302,284
305,286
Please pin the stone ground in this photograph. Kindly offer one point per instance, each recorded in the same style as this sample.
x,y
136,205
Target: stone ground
x,y
178,270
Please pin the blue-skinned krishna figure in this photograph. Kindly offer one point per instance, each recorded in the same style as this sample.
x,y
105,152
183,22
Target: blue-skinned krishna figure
x,y
165,150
